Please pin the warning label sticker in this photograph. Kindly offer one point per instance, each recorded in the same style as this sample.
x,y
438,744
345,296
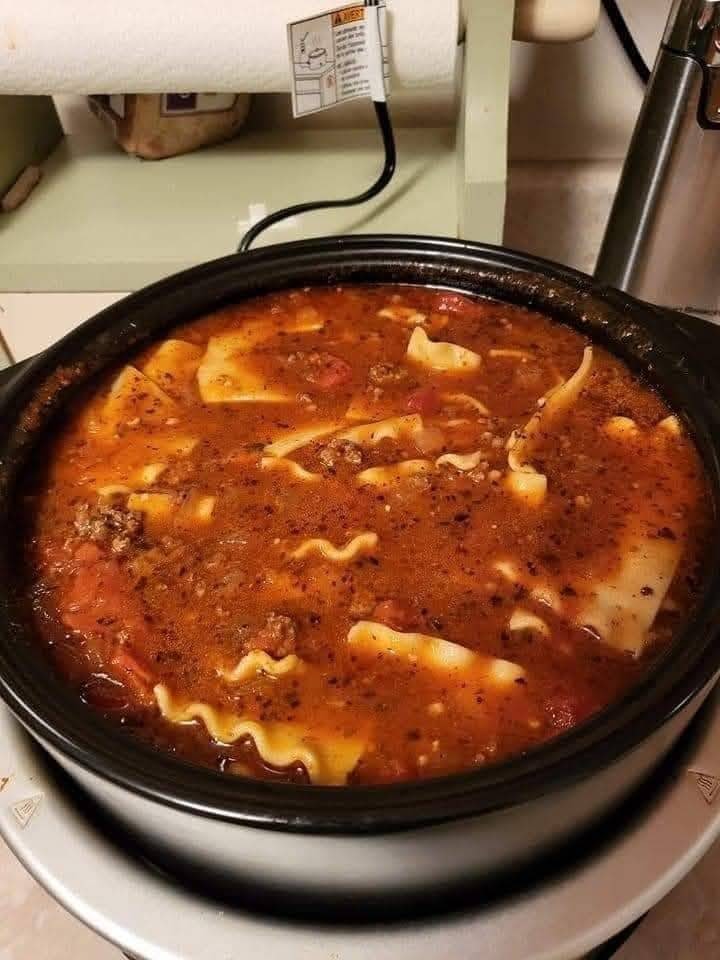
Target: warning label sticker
x,y
338,56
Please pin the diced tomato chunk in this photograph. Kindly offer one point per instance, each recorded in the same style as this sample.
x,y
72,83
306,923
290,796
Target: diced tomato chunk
x,y
424,400
100,601
565,711
100,595
133,664
394,613
330,372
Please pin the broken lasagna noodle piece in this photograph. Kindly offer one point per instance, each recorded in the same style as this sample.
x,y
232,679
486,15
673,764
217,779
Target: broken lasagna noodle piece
x,y
393,473
327,759
523,481
439,356
173,366
431,652
394,428
258,661
461,461
347,535
287,466
362,543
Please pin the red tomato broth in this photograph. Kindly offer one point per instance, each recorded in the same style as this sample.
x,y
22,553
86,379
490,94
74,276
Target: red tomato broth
x,y
126,602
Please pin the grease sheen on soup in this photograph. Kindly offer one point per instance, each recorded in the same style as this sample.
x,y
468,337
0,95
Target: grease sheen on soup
x,y
363,535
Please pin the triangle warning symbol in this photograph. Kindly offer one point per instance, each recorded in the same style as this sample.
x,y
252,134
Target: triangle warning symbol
x,y
707,783
25,810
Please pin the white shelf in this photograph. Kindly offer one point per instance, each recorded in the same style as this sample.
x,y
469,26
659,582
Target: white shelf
x,y
101,220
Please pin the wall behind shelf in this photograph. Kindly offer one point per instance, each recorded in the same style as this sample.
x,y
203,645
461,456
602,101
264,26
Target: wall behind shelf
x,y
579,101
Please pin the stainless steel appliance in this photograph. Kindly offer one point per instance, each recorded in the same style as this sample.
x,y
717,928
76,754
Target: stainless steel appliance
x,y
662,241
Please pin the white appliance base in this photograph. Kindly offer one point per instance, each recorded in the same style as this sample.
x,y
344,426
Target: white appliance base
x,y
557,919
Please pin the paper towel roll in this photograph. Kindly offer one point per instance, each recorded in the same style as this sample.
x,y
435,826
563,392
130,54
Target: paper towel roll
x,y
156,46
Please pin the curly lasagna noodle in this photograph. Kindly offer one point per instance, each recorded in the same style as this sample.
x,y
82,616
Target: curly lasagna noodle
x,y
363,535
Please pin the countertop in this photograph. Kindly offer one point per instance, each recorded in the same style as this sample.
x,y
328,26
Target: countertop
x,y
557,211
684,926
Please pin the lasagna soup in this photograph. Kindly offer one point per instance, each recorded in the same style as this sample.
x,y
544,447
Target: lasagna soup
x,y
363,535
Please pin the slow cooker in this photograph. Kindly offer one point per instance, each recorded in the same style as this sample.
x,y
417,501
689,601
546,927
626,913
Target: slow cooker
x,y
366,844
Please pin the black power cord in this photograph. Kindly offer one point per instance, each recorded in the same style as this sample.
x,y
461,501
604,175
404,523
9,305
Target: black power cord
x,y
388,138
385,124
626,39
